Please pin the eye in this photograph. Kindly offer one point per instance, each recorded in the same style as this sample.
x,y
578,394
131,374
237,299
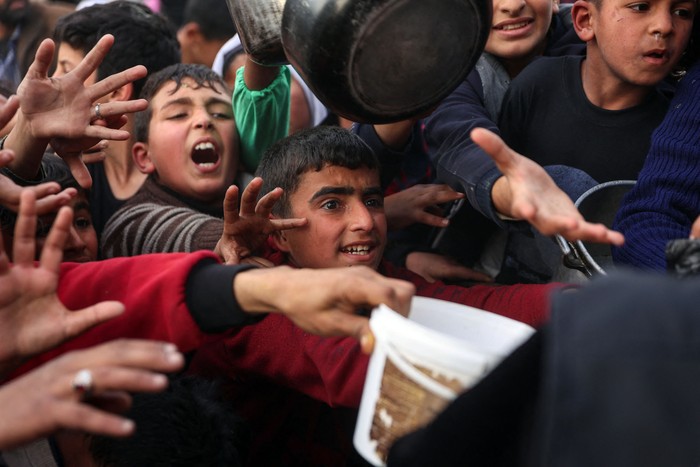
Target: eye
x,y
686,13
177,116
222,116
639,7
374,203
330,205
82,223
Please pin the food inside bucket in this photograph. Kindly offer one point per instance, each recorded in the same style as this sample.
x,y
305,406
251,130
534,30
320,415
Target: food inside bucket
x,y
405,405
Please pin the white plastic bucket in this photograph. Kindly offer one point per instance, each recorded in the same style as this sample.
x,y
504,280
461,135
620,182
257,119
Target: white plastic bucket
x,y
422,362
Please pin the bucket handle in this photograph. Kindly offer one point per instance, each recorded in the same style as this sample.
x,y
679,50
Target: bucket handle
x,y
424,380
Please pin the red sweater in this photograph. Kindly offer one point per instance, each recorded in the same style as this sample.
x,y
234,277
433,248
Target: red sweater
x,y
295,388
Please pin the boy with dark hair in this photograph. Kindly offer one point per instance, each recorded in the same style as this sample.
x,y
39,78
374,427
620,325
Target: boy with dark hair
x,y
330,177
188,145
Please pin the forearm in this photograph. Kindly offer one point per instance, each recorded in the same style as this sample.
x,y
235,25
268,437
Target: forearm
x,y
262,115
28,149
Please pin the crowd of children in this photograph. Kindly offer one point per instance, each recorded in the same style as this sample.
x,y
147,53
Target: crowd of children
x,y
208,227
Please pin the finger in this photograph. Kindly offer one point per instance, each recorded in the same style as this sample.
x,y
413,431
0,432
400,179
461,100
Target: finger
x,y
695,229
80,321
43,58
118,108
79,170
432,220
24,242
116,81
98,132
116,402
493,145
6,156
93,58
8,110
286,224
133,353
52,203
52,253
111,378
231,205
250,196
268,201
83,417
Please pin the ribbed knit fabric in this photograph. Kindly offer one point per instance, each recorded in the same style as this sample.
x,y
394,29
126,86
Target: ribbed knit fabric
x,y
156,220
666,199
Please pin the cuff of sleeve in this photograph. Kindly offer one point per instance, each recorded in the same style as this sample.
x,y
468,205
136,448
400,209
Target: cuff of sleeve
x,y
484,202
210,299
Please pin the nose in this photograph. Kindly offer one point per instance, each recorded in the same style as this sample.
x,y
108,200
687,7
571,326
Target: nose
x,y
511,7
74,242
662,24
202,119
362,219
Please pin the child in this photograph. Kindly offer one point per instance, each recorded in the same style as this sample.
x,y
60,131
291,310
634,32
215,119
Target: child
x,y
330,177
554,107
188,145
520,32
81,244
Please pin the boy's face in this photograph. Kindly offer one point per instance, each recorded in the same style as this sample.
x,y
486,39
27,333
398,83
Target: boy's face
x,y
192,141
638,43
519,28
346,222
67,59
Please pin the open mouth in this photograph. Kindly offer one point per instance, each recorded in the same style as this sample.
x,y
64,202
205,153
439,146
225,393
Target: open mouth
x,y
205,154
357,250
512,26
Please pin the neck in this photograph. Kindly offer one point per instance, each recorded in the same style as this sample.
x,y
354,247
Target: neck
x,y
610,92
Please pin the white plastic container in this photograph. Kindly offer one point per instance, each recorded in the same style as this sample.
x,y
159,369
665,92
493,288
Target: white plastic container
x,y
440,350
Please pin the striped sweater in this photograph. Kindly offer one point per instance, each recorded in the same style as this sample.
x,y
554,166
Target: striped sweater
x,y
158,220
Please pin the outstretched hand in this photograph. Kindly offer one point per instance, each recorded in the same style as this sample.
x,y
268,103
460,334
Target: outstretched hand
x,y
527,192
32,318
247,229
62,109
323,301
419,204
44,400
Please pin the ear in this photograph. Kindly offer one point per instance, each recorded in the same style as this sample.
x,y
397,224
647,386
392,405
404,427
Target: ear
x,y
582,13
279,240
123,93
189,33
139,152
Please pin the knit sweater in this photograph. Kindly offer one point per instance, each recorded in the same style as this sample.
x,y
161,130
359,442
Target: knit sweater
x,y
665,202
158,220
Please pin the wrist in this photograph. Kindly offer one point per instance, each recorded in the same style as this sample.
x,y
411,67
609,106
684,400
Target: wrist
x,y
256,289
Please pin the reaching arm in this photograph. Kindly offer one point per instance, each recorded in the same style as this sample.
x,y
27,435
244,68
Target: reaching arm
x,y
64,107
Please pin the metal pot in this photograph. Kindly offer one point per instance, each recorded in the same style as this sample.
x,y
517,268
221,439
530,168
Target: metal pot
x,y
380,61
259,23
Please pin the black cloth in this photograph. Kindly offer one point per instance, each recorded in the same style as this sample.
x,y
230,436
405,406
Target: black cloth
x,y
617,385
103,203
547,117
210,299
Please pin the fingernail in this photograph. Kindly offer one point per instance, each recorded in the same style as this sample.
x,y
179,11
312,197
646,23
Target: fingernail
x,y
159,380
128,426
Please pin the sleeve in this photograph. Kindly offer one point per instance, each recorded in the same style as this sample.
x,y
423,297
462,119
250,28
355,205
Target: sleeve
x,y
153,289
665,201
262,117
145,228
329,369
458,160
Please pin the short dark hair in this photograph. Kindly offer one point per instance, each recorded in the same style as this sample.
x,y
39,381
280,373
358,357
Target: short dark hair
x,y
202,75
190,424
283,164
212,16
141,37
